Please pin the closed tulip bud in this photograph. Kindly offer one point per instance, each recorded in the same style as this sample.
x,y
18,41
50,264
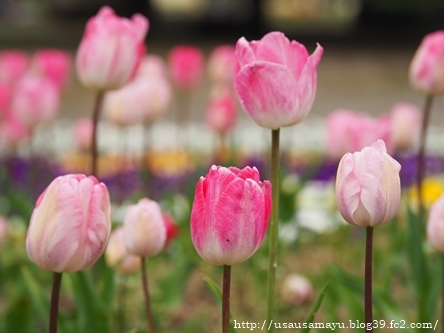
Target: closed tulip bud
x,y
53,64
276,81
427,67
221,112
405,121
368,187
435,225
117,256
13,64
296,289
83,131
222,64
230,214
145,231
70,224
186,66
111,50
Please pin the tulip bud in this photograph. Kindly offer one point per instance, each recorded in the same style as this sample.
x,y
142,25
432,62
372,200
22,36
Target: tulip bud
x,y
70,224
296,289
427,67
368,187
435,225
83,131
186,66
53,64
13,64
405,122
111,50
230,214
117,256
145,231
222,65
221,112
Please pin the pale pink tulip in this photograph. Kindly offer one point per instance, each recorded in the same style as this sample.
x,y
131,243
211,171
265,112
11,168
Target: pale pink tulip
x,y
427,67
152,65
405,119
13,64
117,256
435,225
53,64
230,214
221,113
70,224
368,187
83,131
111,50
145,231
276,82
35,99
13,130
296,289
186,66
222,64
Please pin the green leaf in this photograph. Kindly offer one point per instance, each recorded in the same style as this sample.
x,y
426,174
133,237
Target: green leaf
x,y
39,300
314,309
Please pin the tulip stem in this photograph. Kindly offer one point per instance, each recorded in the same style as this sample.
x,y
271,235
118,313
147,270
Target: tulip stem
x,y
55,293
421,153
226,299
146,296
96,116
368,309
274,225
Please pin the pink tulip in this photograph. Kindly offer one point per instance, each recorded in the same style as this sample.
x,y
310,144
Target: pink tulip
x,y
13,130
435,225
5,99
221,113
117,256
405,121
13,64
83,131
70,224
145,231
152,65
186,66
222,64
230,214
368,187
172,230
296,289
53,64
111,50
35,99
427,67
276,82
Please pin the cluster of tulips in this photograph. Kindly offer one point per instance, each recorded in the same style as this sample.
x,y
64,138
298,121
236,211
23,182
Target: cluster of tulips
x,y
275,82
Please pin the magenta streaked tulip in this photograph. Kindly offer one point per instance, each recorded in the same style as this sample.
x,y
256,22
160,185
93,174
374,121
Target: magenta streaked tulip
x,y
13,64
230,214
435,224
221,112
186,65
368,187
427,67
222,64
276,81
118,257
70,224
83,132
405,119
145,230
53,64
111,50
35,99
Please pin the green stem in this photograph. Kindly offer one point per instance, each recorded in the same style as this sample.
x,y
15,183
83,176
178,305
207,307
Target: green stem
x,y
96,116
274,225
55,293
226,299
368,309
421,154
146,296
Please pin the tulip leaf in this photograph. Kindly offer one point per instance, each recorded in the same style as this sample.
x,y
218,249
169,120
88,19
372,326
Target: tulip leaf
x,y
314,309
40,302
18,315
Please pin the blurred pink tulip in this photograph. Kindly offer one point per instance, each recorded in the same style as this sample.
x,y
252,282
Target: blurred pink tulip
x,y
186,66
172,230
13,64
221,113
349,131
230,214
111,50
296,289
405,122
152,65
435,225
83,131
13,130
70,224
145,230
53,64
117,256
35,99
5,99
427,67
222,64
276,82
368,187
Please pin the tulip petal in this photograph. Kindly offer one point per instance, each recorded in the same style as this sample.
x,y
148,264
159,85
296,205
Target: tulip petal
x,y
244,53
268,93
198,222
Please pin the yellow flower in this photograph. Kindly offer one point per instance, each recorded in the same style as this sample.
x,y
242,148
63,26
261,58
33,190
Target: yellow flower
x,y
432,188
